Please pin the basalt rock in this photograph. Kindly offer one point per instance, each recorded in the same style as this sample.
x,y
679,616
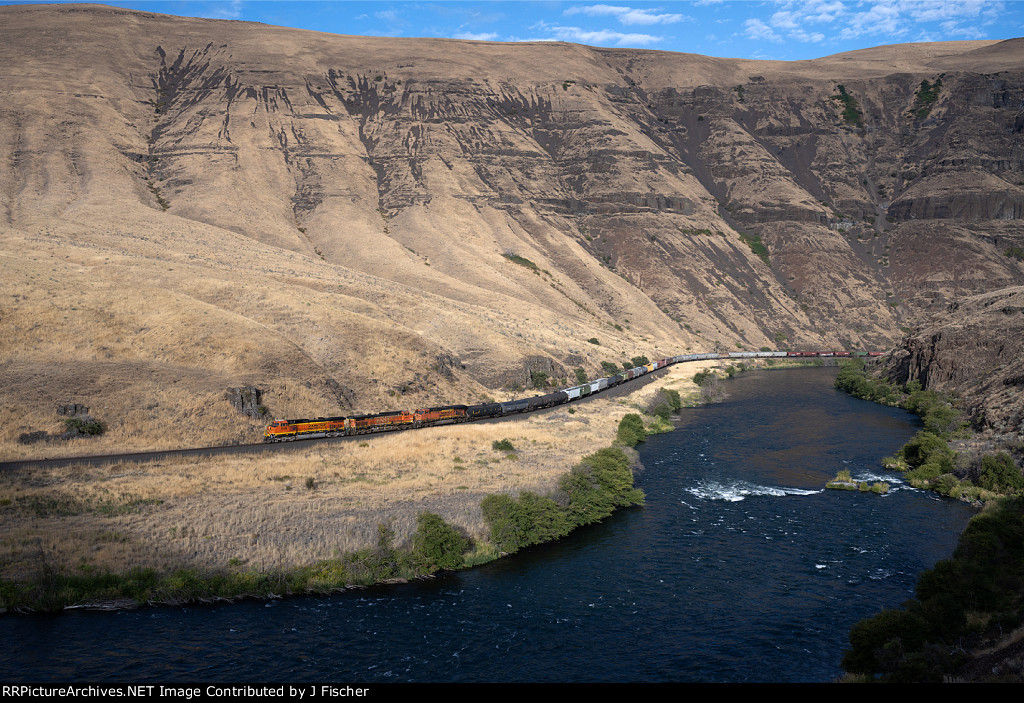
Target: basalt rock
x,y
678,200
974,350
445,364
246,400
34,437
535,370
72,409
343,395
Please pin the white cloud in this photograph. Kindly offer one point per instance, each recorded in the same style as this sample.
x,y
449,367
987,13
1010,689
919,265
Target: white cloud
x,y
756,29
784,19
880,19
813,20
225,10
627,15
812,37
824,12
600,37
937,10
477,36
953,29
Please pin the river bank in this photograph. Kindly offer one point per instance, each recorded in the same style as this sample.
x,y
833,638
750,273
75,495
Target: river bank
x,y
965,621
182,529
739,567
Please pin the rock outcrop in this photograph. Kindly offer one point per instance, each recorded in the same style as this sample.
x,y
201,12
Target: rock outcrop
x,y
223,204
246,400
974,350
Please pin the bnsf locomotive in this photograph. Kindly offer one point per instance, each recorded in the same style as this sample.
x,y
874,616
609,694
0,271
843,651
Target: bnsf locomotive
x,y
286,430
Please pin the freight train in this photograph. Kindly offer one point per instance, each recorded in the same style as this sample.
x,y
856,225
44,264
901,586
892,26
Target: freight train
x,y
287,430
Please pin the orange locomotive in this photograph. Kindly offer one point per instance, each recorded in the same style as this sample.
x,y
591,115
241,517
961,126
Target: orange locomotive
x,y
286,430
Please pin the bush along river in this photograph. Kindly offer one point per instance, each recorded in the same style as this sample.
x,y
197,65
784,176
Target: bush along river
x,y
740,567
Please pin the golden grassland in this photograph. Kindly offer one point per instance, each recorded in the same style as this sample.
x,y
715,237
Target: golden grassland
x,y
148,324
282,509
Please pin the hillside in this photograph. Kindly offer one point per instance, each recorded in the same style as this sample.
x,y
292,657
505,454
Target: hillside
x,y
360,224
974,351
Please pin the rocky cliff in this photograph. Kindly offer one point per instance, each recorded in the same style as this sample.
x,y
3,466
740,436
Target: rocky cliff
x,y
221,204
974,350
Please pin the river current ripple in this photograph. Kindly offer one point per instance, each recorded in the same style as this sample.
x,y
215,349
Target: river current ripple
x,y
739,568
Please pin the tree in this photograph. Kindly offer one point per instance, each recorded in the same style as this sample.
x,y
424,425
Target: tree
x,y
631,430
436,544
1000,474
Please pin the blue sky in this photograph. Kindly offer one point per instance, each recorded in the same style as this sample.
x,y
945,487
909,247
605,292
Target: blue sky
x,y
768,29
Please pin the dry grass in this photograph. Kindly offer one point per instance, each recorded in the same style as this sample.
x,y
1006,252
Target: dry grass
x,y
258,510
149,337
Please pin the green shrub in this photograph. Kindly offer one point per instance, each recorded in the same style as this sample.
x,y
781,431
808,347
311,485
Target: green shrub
x,y
939,416
504,445
520,522
609,367
84,426
1000,474
926,96
437,545
664,403
927,447
945,484
522,261
640,361
581,375
878,643
702,377
600,483
593,340
985,578
674,399
851,111
756,246
930,469
631,430
590,492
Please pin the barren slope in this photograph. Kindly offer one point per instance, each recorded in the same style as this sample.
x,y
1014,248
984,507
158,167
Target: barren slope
x,y
359,224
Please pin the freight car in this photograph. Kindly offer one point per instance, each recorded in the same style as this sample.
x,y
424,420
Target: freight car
x,y
287,430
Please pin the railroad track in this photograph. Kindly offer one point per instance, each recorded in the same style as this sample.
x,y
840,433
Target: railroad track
x,y
517,409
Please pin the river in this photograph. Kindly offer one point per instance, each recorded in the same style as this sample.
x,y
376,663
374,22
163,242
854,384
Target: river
x,y
740,567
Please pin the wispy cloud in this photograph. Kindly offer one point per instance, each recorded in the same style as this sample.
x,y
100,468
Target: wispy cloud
x,y
816,20
756,29
598,37
476,36
225,10
627,15
798,21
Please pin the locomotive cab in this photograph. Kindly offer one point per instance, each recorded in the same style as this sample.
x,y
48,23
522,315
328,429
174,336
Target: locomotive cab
x,y
278,430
